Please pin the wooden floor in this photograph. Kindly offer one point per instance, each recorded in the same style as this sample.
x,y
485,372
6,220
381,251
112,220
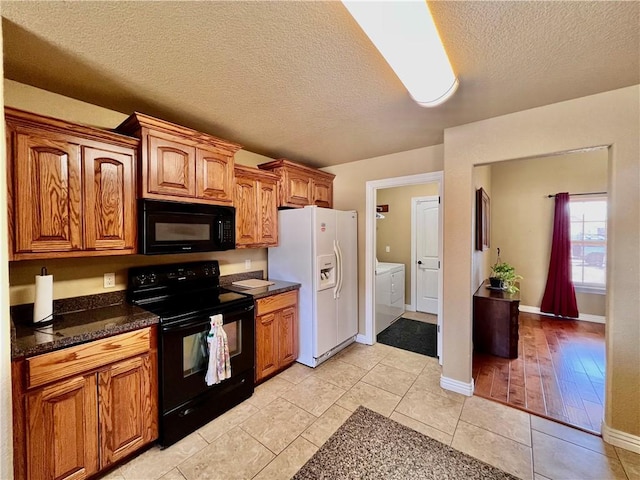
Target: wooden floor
x,y
559,372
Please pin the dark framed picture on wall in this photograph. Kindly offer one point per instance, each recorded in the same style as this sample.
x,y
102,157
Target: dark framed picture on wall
x,y
483,231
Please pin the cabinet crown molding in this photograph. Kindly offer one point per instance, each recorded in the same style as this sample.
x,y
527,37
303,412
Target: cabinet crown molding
x,y
137,121
283,162
42,122
254,173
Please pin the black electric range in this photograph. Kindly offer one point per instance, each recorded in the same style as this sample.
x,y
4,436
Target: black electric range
x,y
185,296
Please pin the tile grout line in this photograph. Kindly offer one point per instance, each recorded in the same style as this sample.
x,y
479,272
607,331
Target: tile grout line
x,y
530,447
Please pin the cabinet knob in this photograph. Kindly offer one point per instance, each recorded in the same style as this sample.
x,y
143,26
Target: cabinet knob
x,y
419,262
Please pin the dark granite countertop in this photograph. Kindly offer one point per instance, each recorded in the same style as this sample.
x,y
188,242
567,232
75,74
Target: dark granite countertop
x,y
76,321
91,317
279,286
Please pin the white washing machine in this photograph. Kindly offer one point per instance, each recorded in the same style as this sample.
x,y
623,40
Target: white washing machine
x,y
390,278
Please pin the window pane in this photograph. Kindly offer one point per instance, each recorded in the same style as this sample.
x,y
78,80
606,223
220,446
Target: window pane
x,y
588,241
595,210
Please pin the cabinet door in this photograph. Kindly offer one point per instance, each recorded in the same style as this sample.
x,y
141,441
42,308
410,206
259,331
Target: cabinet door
x,y
323,192
171,167
214,176
62,434
126,408
268,208
109,201
266,345
296,189
287,336
246,213
46,193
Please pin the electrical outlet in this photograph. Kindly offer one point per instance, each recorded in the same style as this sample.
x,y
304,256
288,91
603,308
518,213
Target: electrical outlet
x,y
247,264
387,249
109,280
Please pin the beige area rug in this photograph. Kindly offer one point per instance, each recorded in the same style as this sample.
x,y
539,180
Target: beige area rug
x,y
371,446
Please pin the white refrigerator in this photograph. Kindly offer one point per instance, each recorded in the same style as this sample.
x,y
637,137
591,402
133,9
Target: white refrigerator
x,y
318,249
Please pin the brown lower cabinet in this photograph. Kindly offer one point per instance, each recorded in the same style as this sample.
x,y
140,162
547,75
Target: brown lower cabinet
x,y
81,409
276,333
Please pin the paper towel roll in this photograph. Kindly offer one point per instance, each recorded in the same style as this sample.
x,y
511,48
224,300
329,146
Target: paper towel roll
x,y
43,304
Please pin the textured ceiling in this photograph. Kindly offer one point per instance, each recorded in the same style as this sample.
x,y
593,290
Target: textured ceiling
x,y
300,80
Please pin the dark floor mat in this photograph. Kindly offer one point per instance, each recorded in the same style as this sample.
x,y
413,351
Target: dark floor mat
x,y
412,335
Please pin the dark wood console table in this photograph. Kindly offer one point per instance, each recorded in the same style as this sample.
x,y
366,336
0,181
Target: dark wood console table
x,y
495,322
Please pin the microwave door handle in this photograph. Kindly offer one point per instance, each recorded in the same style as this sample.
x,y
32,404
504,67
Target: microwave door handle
x,y
220,230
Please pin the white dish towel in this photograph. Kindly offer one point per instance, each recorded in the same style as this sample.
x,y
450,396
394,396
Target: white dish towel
x,y
219,361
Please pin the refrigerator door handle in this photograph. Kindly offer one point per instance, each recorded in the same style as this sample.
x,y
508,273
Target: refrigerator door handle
x,y
336,289
339,268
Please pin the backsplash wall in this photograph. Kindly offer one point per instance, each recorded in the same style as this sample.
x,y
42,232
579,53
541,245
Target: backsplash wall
x,y
74,277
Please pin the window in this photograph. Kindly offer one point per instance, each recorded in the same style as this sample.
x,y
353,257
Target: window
x,y
589,243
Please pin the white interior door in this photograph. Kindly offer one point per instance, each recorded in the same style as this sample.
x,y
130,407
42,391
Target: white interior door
x,y
427,255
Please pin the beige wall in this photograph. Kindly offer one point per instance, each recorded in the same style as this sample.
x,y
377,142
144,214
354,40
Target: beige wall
x,y
6,423
606,119
84,276
349,192
522,214
481,262
40,101
395,229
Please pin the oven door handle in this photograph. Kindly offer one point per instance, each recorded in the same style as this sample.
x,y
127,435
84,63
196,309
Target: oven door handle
x,y
200,321
172,327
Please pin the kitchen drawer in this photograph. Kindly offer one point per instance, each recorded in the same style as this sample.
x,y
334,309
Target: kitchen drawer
x,y
276,302
49,367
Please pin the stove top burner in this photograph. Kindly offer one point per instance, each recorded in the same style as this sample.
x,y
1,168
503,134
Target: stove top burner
x,y
203,303
179,290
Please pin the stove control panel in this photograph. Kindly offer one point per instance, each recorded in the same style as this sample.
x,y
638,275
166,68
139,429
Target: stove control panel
x,y
146,279
142,278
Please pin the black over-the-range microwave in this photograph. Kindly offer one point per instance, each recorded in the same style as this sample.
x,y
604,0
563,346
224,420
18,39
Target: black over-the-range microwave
x,y
177,227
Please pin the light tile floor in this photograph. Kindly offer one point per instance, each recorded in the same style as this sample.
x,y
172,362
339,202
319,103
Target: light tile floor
x,y
421,317
272,434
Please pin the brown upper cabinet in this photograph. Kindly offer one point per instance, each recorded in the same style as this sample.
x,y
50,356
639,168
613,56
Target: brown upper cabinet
x,y
71,189
256,202
301,185
180,164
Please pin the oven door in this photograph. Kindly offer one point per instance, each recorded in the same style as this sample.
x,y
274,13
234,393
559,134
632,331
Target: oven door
x,y
184,356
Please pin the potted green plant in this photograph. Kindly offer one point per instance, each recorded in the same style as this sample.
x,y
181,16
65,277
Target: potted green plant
x,y
504,276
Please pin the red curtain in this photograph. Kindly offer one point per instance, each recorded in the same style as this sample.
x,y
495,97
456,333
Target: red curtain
x,y
559,296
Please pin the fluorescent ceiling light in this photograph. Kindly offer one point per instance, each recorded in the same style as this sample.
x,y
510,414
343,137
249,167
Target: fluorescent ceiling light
x,y
406,36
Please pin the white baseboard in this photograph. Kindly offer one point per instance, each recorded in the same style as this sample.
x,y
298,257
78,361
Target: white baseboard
x,y
620,439
361,338
457,386
585,317
409,308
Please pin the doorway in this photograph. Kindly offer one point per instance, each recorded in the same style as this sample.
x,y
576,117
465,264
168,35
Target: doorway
x,y
559,372
372,188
